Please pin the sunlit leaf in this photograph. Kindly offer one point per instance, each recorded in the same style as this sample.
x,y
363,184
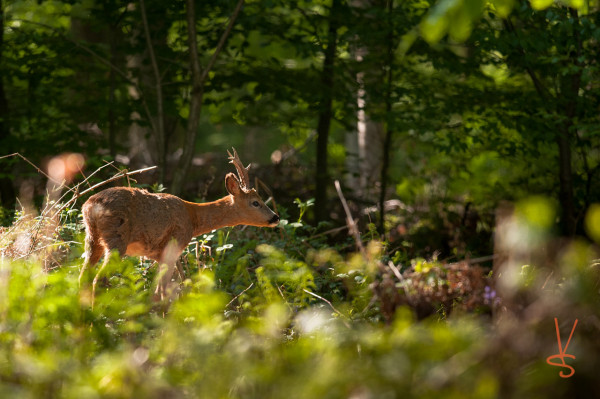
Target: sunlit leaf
x,y
541,4
537,211
592,222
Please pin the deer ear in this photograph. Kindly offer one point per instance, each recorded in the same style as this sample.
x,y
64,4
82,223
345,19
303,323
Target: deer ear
x,y
232,184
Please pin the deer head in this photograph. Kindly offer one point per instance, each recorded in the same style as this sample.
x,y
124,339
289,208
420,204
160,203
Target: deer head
x,y
252,208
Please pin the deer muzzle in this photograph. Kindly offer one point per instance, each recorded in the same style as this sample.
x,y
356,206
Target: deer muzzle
x,y
274,221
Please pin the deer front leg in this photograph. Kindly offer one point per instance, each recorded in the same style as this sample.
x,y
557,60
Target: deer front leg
x,y
163,285
166,269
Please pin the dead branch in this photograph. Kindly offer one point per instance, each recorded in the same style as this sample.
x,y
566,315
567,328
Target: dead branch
x,y
352,228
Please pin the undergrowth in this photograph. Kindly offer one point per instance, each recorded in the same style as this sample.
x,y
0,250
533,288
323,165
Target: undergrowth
x,y
283,313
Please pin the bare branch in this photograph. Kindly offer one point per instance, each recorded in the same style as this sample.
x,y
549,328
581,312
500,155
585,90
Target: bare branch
x,y
222,41
349,220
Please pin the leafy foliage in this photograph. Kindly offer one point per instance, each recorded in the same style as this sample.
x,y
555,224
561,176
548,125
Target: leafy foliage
x,y
290,333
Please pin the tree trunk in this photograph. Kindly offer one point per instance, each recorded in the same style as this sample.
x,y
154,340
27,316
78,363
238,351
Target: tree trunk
x,y
159,126
370,133
191,133
327,80
199,77
568,220
7,191
370,147
3,102
569,94
388,110
112,84
566,111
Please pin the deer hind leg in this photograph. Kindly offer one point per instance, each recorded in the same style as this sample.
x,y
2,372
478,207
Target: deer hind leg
x,y
93,253
111,245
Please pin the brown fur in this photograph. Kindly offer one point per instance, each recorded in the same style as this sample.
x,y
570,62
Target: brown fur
x,y
159,226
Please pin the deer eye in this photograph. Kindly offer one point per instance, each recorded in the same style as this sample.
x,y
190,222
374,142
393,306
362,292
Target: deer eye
x,y
255,204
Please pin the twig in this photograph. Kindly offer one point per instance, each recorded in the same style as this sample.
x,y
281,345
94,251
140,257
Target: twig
x,y
324,300
395,271
238,295
482,259
349,220
94,172
34,165
283,297
258,182
329,303
38,249
115,177
547,279
301,147
399,276
332,231
9,155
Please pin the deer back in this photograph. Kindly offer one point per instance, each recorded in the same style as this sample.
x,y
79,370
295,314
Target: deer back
x,y
137,220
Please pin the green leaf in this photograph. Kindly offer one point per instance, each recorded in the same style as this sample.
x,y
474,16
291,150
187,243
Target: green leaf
x,y
541,4
503,7
592,222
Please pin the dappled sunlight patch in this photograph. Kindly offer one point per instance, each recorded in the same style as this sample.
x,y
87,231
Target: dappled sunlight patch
x,y
315,321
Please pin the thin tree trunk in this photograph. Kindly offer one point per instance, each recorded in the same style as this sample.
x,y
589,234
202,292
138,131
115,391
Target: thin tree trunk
x,y
199,77
161,143
189,144
327,80
371,132
569,88
7,191
3,101
112,83
567,202
388,109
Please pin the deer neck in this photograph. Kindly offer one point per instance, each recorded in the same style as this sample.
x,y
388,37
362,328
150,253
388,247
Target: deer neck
x,y
213,215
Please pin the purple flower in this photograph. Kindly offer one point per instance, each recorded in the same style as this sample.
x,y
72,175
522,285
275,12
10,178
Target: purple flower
x,y
490,297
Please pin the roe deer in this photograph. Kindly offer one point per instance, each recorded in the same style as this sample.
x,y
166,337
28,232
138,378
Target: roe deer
x,y
159,226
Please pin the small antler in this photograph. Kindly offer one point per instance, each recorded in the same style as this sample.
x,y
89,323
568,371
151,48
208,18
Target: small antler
x,y
242,171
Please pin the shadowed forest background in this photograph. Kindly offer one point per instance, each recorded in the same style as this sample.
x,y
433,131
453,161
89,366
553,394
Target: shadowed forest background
x,y
464,136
